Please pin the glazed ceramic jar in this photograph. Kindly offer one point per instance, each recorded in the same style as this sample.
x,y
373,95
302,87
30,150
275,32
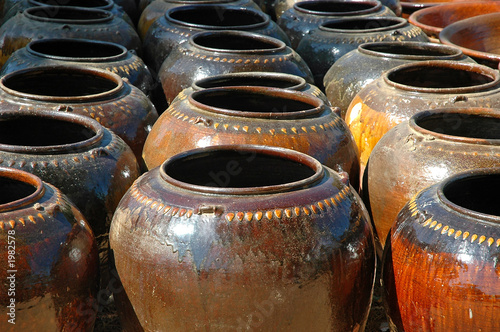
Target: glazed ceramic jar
x,y
440,268
95,93
217,237
64,22
335,38
253,115
354,70
219,52
420,152
85,52
179,23
50,274
407,89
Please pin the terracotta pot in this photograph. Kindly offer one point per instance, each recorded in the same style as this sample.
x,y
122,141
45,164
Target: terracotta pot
x,y
420,152
156,9
306,16
335,38
354,70
411,6
50,274
410,88
64,22
89,53
219,52
477,37
440,269
179,23
98,94
253,115
241,237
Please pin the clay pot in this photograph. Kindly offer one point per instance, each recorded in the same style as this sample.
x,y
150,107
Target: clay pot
x,y
349,74
257,237
219,52
477,37
410,88
420,152
440,271
50,274
306,16
156,9
64,22
335,38
95,93
179,23
411,6
89,53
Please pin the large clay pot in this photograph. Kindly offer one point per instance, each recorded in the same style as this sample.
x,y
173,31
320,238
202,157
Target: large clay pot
x,y
158,8
50,274
253,115
179,23
219,52
440,268
89,53
242,237
420,152
410,88
306,16
64,22
335,38
354,70
95,93
411,6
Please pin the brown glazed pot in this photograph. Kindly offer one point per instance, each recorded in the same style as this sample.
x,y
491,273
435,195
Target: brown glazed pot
x,y
440,268
242,237
85,52
420,152
95,93
64,22
253,115
410,88
354,70
50,274
220,52
180,23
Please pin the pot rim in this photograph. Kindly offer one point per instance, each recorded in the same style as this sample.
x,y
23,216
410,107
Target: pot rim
x,y
376,6
477,111
65,68
222,8
105,15
284,153
317,105
466,175
452,52
475,67
299,82
81,120
24,177
399,23
95,43
107,6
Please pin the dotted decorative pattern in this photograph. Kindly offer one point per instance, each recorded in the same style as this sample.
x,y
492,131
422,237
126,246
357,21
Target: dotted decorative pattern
x,y
136,65
465,153
447,230
268,59
314,208
403,34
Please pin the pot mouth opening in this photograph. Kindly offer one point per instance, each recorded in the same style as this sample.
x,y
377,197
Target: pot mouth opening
x,y
337,8
70,15
101,4
242,170
18,188
439,76
368,24
267,79
78,50
216,17
411,50
473,125
65,83
48,132
473,193
257,102
236,42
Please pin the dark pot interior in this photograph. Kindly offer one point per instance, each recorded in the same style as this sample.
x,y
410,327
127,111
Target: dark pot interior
x,y
67,13
462,125
75,49
410,48
72,3
216,16
234,42
12,190
334,7
361,24
269,81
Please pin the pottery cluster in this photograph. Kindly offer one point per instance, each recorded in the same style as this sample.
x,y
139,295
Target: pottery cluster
x,y
239,165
